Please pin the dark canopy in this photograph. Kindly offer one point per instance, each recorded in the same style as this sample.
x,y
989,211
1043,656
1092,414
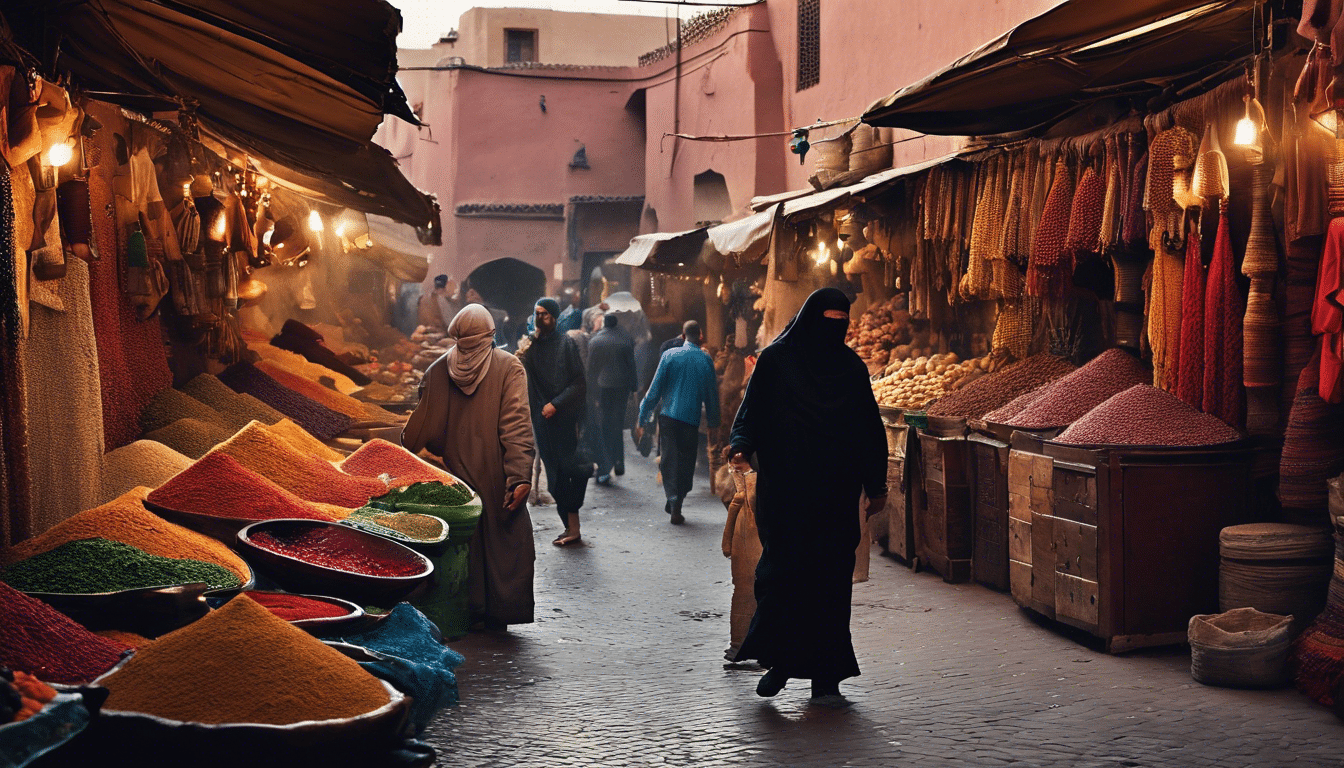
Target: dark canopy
x,y
299,86
1072,55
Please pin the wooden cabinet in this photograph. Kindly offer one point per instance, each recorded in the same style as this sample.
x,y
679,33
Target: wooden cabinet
x,y
900,524
943,527
1127,546
989,500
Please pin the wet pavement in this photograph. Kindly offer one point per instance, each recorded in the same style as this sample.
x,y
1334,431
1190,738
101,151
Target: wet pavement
x,y
625,667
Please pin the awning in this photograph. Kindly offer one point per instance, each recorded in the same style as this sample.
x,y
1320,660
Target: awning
x,y
747,239
676,252
834,198
765,201
1077,53
298,87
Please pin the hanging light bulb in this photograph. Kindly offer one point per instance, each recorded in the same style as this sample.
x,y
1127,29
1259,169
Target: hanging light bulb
x,y
340,229
314,221
1251,124
60,154
823,254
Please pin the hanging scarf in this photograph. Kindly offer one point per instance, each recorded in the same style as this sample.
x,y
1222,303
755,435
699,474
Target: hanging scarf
x,y
1048,270
1190,378
1171,159
469,360
1164,317
1223,311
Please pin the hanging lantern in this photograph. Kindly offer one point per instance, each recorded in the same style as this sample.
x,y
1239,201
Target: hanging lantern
x,y
60,154
315,221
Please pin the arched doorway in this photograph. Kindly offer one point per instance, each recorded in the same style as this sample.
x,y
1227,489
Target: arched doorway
x,y
509,285
711,202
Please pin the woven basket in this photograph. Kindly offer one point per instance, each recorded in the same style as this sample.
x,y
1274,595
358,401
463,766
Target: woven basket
x,y
1129,269
832,159
1262,330
1334,178
869,151
1277,568
1128,328
1242,648
1262,249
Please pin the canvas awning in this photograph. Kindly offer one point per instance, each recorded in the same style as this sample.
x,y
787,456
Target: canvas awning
x,y
292,84
746,239
676,252
834,198
1075,54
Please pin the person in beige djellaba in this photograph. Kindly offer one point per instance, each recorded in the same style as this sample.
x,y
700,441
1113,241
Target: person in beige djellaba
x,y
474,414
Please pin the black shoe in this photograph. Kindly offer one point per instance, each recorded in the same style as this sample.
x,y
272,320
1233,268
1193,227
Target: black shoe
x,y
677,519
771,683
823,688
620,470
603,479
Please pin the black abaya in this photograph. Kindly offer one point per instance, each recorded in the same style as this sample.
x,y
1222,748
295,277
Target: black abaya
x,y
811,421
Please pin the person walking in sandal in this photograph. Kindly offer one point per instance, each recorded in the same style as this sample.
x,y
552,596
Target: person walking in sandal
x,y
683,384
556,390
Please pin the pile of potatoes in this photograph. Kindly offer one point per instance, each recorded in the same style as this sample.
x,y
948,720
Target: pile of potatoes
x,y
880,331
916,382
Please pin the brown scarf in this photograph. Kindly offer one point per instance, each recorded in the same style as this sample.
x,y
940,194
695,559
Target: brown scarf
x,y
469,360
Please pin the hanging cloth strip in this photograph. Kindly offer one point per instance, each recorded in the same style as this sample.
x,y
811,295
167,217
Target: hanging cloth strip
x,y
1048,270
1190,379
1164,317
1327,313
1223,312
1171,158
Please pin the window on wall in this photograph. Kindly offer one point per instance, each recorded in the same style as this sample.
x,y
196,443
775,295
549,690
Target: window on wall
x,y
520,45
711,203
809,43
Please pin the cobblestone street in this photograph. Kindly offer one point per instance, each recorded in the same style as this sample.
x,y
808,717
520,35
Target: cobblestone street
x,y
625,667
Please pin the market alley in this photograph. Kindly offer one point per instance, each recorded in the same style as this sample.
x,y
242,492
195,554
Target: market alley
x,y
625,667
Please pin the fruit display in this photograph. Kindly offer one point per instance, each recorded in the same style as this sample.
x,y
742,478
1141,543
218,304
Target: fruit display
x,y
917,382
881,331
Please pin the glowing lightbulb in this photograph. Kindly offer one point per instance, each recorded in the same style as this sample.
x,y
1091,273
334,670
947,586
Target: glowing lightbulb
x,y
823,254
60,154
340,229
314,221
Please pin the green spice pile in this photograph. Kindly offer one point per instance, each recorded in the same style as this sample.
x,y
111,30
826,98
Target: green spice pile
x,y
89,566
434,494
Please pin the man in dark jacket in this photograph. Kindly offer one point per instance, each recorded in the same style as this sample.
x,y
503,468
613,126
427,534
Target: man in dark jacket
x,y
556,391
611,367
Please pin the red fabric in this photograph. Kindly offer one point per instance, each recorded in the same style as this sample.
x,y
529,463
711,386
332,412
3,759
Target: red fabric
x,y
1189,384
132,358
1327,315
1223,313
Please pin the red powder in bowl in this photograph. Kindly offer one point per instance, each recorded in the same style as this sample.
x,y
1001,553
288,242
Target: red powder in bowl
x,y
331,547
37,639
218,485
297,607
379,457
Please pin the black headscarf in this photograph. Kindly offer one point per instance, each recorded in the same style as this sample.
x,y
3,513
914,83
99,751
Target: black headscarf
x,y
811,332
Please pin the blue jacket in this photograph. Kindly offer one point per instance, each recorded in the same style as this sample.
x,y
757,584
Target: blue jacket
x,y
684,381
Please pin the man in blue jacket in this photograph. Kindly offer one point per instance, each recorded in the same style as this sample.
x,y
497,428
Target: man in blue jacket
x,y
611,368
684,383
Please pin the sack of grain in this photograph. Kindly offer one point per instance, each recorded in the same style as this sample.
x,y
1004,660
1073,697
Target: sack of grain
x,y
1242,648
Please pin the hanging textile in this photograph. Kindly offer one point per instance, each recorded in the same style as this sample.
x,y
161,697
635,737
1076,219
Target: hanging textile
x,y
1085,218
16,521
132,358
1110,210
1171,159
1305,144
1048,270
1164,316
1190,379
1327,313
1134,229
1223,313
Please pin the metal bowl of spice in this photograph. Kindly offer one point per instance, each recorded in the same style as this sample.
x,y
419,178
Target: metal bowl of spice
x,y
318,614
418,531
327,558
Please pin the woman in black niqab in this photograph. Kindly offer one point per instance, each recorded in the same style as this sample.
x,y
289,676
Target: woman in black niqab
x,y
810,420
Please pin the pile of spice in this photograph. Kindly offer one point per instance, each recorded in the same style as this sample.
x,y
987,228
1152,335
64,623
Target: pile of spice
x,y
308,477
37,639
297,607
305,443
997,389
379,458
170,405
355,409
321,421
295,363
125,638
126,520
409,525
192,438
1005,413
1146,415
1109,373
243,664
92,566
337,548
22,696
218,485
426,494
141,463
238,408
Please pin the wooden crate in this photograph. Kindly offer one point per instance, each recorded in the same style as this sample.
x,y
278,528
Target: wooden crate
x,y
943,528
989,499
1030,501
1133,538
900,524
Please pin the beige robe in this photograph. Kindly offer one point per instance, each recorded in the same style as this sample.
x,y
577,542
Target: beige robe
x,y
486,439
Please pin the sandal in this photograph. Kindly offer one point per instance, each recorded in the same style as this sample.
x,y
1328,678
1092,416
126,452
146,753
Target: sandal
x,y
565,540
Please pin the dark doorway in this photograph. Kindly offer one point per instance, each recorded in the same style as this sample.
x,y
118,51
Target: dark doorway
x,y
618,276
509,287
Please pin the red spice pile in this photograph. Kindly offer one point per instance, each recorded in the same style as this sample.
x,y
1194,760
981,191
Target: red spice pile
x,y
991,392
308,477
1146,415
36,639
297,607
1109,373
332,547
379,457
218,485
1016,405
